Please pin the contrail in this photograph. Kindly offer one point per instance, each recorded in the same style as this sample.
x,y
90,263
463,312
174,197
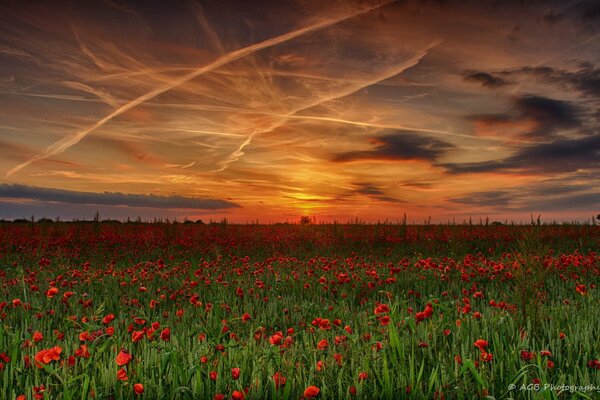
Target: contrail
x,y
68,141
414,60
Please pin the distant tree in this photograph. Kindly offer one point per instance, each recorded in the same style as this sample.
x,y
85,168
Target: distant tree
x,y
305,220
200,222
44,221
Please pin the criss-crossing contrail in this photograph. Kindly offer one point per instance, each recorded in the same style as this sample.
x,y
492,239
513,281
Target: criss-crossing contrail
x,y
71,140
414,60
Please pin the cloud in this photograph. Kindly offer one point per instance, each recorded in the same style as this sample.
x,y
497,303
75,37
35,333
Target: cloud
x,y
531,117
17,191
375,192
539,198
586,79
402,145
561,155
486,80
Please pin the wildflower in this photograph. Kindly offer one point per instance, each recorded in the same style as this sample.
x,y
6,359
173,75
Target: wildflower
x,y
481,344
123,358
527,355
165,335
136,336
235,373
311,392
122,374
37,336
279,379
50,293
276,338
362,376
237,395
322,345
138,388
45,356
381,309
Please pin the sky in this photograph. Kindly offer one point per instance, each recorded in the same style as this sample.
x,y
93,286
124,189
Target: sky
x,y
268,111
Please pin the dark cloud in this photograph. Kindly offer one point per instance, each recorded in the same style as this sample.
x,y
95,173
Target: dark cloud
x,y
538,199
548,112
539,117
375,192
561,155
586,79
485,79
110,199
403,145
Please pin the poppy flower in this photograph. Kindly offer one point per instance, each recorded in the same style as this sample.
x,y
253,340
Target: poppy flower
x,y
481,344
322,345
122,374
123,358
235,373
45,356
527,355
212,375
320,365
138,388
165,335
311,392
381,309
279,379
50,293
237,395
362,376
108,319
136,336
37,336
276,338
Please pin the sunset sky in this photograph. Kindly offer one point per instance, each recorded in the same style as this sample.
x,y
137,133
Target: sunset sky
x,y
272,110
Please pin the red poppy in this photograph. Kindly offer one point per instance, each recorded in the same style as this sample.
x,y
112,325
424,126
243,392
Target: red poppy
x,y
136,336
581,289
50,293
279,379
322,345
45,356
138,388
122,374
381,309
165,335
320,365
527,355
37,336
237,395
108,319
362,376
481,344
235,373
276,338
246,317
123,358
213,375
311,392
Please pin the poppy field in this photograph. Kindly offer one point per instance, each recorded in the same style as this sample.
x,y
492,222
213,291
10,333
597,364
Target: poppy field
x,y
218,311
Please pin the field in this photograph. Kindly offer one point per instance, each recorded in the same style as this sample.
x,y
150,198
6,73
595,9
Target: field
x,y
190,311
